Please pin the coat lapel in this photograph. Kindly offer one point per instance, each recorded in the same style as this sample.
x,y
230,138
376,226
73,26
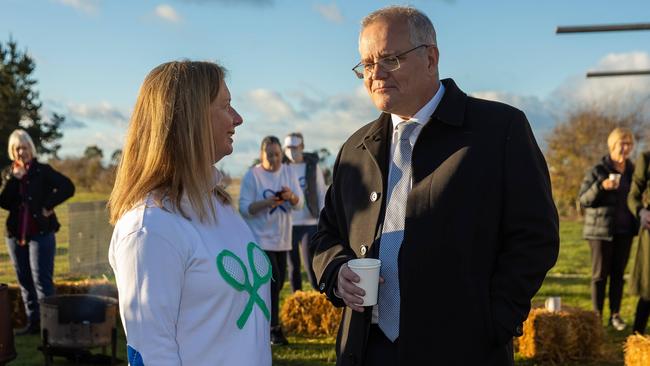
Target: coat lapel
x,y
376,143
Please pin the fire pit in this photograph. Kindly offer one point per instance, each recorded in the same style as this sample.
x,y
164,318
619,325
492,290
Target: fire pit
x,y
71,324
7,349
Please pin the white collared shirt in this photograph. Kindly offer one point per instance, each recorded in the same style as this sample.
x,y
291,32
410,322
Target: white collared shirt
x,y
422,117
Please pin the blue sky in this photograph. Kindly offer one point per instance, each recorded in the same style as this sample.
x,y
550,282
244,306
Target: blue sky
x,y
290,61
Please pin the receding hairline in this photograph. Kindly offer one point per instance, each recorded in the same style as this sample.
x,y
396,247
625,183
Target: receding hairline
x,y
408,16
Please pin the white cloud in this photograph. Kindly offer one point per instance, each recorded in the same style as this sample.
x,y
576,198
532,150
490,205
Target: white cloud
x,y
326,121
102,112
167,13
270,105
330,12
84,6
619,93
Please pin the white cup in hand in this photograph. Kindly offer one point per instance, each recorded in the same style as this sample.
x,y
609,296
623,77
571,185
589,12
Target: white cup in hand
x,y
368,271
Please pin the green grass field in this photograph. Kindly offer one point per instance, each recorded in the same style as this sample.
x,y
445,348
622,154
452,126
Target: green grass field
x,y
568,279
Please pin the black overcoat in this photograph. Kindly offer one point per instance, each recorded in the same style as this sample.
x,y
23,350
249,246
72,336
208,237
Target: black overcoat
x,y
481,232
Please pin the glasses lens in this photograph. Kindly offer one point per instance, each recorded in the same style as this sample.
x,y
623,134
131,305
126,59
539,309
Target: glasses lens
x,y
358,70
389,63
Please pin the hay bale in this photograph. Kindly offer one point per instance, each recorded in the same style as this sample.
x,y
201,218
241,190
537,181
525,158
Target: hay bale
x,y
637,350
93,287
569,335
309,313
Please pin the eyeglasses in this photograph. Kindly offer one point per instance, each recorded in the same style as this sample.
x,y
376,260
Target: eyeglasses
x,y
390,63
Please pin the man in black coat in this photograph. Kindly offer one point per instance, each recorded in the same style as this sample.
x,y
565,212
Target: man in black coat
x,y
466,229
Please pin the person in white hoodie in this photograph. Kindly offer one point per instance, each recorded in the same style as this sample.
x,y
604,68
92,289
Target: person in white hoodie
x,y
193,282
268,193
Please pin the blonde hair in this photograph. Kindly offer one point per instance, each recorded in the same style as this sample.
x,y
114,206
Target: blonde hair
x,y
20,136
169,149
618,134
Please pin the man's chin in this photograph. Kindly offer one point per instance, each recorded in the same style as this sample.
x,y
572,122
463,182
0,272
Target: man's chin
x,y
383,104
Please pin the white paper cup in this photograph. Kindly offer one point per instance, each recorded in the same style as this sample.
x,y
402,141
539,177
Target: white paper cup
x,y
553,303
615,177
368,271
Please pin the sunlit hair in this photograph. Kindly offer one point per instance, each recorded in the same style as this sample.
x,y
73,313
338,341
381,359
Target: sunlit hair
x,y
618,134
17,137
169,150
268,140
421,29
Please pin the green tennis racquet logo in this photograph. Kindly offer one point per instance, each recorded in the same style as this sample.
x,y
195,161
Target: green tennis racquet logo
x,y
234,272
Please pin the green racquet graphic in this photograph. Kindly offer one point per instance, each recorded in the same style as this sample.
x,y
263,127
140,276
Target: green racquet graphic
x,y
233,271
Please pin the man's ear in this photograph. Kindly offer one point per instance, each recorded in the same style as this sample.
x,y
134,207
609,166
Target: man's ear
x,y
433,56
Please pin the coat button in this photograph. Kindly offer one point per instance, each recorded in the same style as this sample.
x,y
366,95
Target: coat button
x,y
322,287
519,331
373,196
364,249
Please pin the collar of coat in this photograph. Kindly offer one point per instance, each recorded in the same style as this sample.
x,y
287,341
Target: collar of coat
x,y
451,111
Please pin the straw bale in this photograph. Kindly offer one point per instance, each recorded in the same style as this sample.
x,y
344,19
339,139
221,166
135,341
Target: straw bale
x,y
309,313
94,287
637,350
558,337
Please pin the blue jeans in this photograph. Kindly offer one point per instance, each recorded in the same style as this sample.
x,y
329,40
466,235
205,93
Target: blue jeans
x,y
34,265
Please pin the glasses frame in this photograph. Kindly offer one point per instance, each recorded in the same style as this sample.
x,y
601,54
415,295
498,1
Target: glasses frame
x,y
361,74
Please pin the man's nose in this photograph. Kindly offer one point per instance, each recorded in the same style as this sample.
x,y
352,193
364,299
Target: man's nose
x,y
377,72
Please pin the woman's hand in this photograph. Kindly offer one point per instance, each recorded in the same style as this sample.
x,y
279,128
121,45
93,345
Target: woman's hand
x,y
610,184
47,213
287,195
18,171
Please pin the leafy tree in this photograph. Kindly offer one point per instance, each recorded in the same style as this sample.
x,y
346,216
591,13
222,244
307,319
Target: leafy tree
x,y
93,152
577,144
116,156
19,104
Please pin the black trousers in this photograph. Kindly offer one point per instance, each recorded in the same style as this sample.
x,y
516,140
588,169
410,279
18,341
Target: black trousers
x,y
301,243
641,316
608,260
279,271
380,351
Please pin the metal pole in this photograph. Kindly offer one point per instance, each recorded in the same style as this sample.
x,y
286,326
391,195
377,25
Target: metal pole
x,y
592,74
602,28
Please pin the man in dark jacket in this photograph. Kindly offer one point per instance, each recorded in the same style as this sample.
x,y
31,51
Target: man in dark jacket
x,y
452,194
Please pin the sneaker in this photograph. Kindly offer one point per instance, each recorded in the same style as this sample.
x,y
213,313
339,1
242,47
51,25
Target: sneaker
x,y
277,337
29,329
617,322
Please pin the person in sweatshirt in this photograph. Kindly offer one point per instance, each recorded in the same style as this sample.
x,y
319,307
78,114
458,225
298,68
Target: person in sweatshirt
x,y
193,281
305,221
269,191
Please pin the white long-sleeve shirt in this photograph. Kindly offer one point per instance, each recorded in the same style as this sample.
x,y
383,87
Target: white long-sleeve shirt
x,y
177,288
272,226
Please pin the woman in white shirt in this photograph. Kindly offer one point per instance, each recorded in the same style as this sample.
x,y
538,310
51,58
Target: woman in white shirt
x,y
269,191
193,284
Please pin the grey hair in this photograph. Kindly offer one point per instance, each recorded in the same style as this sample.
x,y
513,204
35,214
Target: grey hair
x,y
15,139
420,27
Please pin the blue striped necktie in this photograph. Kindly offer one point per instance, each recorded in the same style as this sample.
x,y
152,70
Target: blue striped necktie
x,y
392,232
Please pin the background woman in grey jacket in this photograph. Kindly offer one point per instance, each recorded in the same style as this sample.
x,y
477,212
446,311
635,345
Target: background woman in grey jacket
x,y
609,226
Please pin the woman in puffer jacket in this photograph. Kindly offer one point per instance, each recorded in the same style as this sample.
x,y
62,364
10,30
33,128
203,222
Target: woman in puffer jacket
x,y
609,226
